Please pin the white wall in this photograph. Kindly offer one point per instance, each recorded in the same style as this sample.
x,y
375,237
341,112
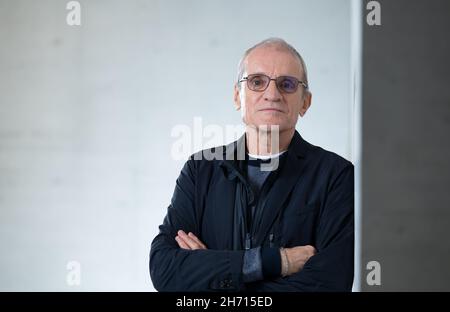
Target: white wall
x,y
86,115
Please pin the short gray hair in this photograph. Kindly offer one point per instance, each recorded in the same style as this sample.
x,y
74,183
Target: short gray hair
x,y
274,42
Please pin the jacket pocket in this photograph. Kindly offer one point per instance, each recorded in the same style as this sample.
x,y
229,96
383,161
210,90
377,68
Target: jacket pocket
x,y
298,227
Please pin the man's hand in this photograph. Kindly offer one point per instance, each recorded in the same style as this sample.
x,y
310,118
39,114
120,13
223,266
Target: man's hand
x,y
189,241
297,257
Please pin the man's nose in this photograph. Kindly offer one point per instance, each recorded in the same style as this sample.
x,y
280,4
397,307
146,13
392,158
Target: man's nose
x,y
272,93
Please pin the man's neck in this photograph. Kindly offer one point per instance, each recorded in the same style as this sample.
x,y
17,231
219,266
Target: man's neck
x,y
262,142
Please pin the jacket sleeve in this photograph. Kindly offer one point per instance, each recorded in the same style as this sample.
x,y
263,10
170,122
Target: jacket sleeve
x,y
175,269
331,269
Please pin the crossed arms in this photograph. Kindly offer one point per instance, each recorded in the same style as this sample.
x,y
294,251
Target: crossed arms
x,y
180,261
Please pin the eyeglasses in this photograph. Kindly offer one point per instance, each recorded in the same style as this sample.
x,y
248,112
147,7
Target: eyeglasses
x,y
285,84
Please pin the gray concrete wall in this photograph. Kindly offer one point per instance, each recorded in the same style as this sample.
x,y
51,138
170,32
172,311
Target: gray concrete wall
x,y
406,150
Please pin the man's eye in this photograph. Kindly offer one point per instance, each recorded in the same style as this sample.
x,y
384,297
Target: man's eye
x,y
287,84
257,82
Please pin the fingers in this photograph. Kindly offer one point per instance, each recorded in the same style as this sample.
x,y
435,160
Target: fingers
x,y
311,251
181,243
306,252
189,241
298,256
195,238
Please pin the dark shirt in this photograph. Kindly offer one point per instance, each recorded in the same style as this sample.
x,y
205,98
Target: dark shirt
x,y
260,262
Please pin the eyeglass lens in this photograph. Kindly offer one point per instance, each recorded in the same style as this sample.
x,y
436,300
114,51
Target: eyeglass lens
x,y
261,82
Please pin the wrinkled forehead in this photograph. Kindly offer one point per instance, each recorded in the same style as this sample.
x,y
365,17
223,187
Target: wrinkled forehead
x,y
273,61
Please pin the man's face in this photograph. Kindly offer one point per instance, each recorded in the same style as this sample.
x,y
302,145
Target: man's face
x,y
271,107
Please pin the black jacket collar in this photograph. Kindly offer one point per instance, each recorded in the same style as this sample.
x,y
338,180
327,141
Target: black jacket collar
x,y
235,152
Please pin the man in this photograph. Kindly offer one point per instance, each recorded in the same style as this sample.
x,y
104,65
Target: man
x,y
232,226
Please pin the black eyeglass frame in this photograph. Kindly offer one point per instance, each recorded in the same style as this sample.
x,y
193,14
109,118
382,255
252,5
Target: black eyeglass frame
x,y
277,80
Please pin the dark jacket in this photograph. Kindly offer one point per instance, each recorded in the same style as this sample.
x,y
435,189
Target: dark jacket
x,y
310,202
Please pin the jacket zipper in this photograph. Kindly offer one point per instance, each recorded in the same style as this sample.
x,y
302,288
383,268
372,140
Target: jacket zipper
x,y
248,241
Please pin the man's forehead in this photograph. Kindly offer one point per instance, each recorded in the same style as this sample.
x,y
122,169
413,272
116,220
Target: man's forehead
x,y
271,59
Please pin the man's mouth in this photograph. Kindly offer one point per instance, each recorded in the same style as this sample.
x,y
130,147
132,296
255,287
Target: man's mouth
x,y
271,110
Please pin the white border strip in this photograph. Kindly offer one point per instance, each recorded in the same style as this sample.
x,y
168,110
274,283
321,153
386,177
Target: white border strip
x,y
356,117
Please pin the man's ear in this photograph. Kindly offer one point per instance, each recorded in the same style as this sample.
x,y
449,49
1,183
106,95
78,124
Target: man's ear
x,y
237,98
306,103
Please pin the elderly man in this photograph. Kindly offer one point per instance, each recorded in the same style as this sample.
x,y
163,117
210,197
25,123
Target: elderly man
x,y
233,224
